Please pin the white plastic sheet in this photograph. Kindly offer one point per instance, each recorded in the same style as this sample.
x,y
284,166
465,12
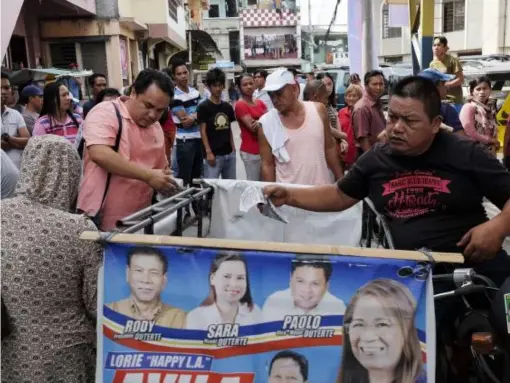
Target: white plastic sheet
x,y
228,222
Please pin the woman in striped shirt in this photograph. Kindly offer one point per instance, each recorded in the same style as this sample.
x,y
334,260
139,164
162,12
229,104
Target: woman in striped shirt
x,y
56,115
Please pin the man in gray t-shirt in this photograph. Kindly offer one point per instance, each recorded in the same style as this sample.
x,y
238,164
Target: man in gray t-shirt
x,y
32,96
10,176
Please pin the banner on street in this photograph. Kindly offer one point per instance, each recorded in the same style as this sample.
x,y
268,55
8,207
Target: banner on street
x,y
185,314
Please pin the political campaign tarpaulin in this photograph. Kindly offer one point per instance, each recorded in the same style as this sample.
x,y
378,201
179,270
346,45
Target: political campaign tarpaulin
x,y
173,314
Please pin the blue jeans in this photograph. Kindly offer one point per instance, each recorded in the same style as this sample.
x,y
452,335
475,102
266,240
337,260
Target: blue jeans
x,y
175,165
225,166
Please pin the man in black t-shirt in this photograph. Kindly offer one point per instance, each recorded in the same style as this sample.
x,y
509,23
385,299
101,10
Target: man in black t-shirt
x,y
215,117
429,184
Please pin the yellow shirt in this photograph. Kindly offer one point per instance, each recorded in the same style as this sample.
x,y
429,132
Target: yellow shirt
x,y
450,65
164,315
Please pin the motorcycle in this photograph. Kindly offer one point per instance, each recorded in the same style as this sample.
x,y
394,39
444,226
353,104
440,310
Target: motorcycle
x,y
476,347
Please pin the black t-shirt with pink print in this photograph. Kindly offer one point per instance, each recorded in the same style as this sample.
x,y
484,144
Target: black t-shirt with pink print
x,y
430,200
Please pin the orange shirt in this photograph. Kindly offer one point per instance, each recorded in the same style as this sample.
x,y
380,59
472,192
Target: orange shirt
x,y
142,146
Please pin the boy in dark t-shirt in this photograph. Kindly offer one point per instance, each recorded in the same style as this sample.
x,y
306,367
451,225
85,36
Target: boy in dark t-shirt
x,y
215,117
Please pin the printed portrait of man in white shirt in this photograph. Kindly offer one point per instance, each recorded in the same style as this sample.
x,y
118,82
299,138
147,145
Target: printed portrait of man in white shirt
x,y
308,292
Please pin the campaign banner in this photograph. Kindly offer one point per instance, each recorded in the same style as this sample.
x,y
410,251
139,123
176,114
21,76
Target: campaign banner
x,y
206,315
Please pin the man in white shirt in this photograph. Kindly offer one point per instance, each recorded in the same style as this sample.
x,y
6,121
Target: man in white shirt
x,y
15,134
259,77
307,295
10,175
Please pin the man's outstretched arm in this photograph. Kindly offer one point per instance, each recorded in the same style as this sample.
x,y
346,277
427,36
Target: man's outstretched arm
x,y
326,198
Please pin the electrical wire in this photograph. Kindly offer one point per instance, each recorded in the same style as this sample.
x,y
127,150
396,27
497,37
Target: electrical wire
x,y
333,19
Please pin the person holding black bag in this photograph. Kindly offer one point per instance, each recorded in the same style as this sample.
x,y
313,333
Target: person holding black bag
x,y
124,156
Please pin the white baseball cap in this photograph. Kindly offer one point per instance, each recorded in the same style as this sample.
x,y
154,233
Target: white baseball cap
x,y
278,79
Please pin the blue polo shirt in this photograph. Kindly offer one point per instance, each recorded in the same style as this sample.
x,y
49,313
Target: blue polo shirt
x,y
187,102
451,117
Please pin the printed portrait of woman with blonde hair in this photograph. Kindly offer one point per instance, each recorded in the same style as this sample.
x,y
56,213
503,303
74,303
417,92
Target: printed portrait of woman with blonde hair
x,y
381,343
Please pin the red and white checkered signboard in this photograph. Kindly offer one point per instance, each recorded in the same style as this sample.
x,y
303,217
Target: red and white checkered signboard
x,y
269,18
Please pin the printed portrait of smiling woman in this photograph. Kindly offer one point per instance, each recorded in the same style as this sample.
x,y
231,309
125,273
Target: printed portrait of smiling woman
x,y
381,343
229,299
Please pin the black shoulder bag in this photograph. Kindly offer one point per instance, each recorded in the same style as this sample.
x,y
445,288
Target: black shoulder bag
x,y
6,321
97,219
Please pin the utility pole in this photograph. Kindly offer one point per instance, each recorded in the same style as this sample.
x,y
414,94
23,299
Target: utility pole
x,y
367,41
310,27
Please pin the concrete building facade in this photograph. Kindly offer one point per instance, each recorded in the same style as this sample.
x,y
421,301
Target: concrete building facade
x,y
114,37
221,20
471,27
270,37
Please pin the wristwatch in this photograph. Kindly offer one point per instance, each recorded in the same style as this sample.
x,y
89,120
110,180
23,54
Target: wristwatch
x,y
5,137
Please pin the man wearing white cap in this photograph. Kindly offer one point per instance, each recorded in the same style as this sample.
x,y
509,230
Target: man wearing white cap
x,y
296,145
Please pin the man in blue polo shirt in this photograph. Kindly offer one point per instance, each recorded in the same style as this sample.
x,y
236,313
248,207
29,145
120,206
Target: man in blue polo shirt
x,y
448,112
184,111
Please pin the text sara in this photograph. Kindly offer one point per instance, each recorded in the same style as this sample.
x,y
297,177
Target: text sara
x,y
226,330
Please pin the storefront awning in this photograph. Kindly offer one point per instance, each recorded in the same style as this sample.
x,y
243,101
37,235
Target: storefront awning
x,y
168,34
133,24
40,74
204,41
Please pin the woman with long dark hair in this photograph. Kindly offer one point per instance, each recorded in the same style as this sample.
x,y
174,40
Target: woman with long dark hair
x,y
478,115
229,299
248,111
56,114
329,82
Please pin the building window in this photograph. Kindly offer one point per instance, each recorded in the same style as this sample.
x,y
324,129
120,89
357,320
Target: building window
x,y
453,15
231,8
172,8
62,54
214,10
234,47
387,31
394,59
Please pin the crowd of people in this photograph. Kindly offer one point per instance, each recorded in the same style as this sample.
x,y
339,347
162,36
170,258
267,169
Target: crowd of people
x,y
66,169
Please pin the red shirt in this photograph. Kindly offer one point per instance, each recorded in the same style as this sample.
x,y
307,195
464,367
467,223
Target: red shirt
x,y
169,125
344,115
368,119
249,143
